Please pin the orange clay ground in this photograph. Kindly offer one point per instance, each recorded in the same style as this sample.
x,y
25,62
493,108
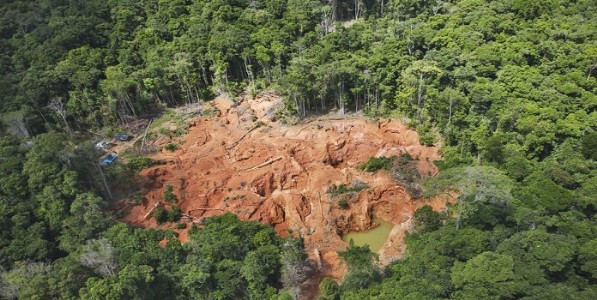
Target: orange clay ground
x,y
241,160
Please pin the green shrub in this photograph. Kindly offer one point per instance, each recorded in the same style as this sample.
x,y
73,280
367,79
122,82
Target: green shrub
x,y
181,226
137,198
160,214
343,203
208,112
329,289
164,131
170,147
426,137
139,163
378,163
174,214
589,145
336,190
426,219
169,195
180,132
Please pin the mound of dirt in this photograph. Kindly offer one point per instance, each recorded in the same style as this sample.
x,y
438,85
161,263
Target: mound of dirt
x,y
242,160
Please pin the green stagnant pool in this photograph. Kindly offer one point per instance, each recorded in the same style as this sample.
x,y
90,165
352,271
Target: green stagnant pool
x,y
375,237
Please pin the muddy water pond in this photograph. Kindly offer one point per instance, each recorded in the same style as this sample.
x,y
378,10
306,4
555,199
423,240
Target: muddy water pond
x,y
375,237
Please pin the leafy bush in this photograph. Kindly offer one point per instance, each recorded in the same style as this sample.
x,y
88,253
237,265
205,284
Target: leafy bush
x,y
139,163
169,195
343,203
170,147
378,163
426,137
336,190
426,219
589,145
164,130
174,214
137,198
329,289
208,112
362,270
160,214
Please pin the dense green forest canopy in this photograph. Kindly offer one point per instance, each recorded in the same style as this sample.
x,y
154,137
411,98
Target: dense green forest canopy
x,y
508,88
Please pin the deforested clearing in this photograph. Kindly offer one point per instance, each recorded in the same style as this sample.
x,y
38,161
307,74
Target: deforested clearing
x,y
240,159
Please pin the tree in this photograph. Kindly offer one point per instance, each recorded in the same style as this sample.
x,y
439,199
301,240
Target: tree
x,y
426,219
12,157
27,280
57,104
131,282
474,185
534,10
414,78
588,257
542,194
487,275
260,268
295,266
194,280
589,145
46,160
16,123
68,276
361,268
100,256
329,289
538,250
169,195
117,87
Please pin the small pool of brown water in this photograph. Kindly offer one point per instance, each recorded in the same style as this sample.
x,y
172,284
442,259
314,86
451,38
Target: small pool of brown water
x,y
375,237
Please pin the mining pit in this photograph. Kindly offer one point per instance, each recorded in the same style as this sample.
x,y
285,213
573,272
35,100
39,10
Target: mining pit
x,y
243,159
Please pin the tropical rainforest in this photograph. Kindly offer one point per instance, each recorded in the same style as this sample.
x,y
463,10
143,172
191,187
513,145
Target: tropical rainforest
x,y
508,88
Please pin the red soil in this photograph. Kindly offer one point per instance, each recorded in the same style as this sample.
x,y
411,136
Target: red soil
x,y
280,174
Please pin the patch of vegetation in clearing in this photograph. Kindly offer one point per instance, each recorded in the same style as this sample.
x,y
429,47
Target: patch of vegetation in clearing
x,y
426,136
336,190
139,163
169,195
171,147
162,215
377,163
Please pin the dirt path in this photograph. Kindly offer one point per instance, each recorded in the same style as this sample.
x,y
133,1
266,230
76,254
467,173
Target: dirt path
x,y
280,175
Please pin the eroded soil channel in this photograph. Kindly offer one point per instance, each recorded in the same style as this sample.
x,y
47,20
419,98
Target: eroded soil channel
x,y
241,160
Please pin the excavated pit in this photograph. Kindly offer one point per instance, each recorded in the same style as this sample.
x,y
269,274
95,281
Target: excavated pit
x,y
240,160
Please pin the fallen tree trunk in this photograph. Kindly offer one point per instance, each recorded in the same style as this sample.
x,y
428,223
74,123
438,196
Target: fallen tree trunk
x,y
320,206
142,148
151,211
269,162
122,209
242,137
204,208
318,259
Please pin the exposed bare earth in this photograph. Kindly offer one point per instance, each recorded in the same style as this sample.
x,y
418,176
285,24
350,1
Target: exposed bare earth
x,y
280,174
